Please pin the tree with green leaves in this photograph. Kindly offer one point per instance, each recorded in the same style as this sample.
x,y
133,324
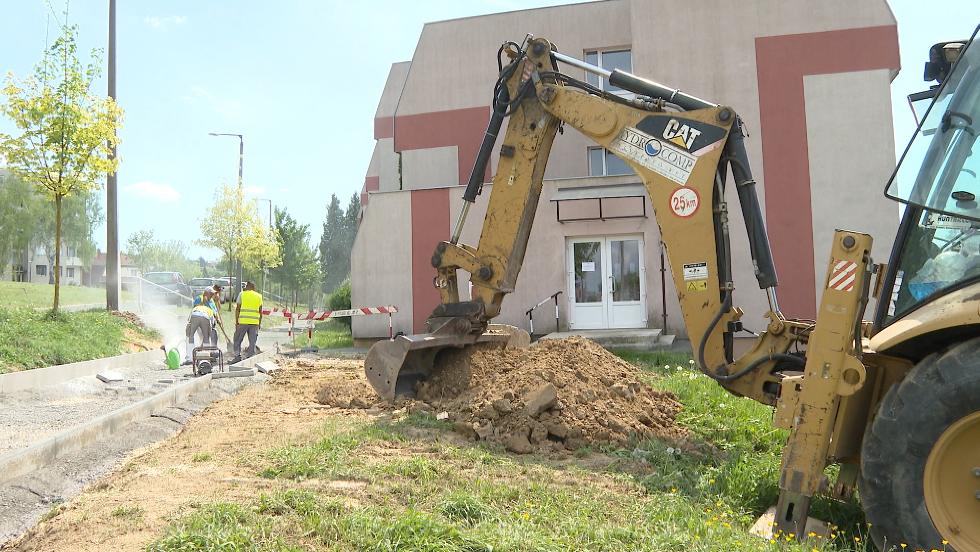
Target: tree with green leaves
x,y
140,248
337,240
300,268
151,254
233,226
66,133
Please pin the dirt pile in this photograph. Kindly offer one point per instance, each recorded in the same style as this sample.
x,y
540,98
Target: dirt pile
x,y
566,393
556,395
130,317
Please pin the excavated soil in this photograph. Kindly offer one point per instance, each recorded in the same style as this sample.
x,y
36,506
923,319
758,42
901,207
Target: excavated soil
x,y
556,395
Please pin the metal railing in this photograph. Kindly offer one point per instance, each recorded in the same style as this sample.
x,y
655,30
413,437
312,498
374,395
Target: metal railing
x,y
530,312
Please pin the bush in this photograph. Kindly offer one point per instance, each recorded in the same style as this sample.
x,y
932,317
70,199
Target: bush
x,y
340,300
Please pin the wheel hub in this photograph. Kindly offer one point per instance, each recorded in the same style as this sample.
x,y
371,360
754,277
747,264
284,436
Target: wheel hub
x,y
952,483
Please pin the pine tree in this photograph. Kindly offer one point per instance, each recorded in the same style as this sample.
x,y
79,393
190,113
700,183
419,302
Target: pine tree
x,y
331,246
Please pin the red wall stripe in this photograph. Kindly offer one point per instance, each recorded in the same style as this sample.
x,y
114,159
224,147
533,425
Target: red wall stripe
x,y
372,183
430,225
463,128
384,127
782,62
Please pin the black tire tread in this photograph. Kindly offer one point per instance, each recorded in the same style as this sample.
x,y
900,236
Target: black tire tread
x,y
943,387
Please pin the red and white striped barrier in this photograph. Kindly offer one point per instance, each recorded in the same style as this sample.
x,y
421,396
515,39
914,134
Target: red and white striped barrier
x,y
314,315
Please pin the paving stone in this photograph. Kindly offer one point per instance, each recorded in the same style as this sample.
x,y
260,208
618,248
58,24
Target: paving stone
x,y
109,376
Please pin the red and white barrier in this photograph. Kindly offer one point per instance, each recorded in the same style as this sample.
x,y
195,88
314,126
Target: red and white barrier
x,y
314,315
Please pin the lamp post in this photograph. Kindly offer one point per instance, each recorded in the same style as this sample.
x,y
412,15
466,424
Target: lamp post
x,y
241,162
112,198
270,231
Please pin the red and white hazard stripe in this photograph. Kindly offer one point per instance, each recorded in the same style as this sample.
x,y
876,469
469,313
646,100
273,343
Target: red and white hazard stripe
x,y
843,275
323,315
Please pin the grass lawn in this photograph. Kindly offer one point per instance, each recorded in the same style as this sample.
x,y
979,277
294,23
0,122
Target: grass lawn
x,y
31,338
422,490
330,334
22,294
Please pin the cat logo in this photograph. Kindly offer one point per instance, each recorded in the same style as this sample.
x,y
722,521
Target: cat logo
x,y
683,135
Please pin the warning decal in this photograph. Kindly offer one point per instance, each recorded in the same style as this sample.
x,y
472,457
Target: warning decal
x,y
696,271
697,285
658,156
842,276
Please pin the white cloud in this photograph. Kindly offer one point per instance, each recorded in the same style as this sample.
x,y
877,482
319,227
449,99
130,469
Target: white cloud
x,y
164,21
164,193
253,190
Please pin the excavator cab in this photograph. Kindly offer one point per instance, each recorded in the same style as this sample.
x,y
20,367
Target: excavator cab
x,y
937,249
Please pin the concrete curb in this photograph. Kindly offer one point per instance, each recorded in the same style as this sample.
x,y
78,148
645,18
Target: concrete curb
x,y
29,379
250,362
24,461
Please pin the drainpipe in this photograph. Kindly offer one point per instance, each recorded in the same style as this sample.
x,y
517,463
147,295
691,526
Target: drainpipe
x,y
663,285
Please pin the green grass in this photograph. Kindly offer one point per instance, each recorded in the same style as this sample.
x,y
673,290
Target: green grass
x,y
33,339
330,334
40,296
438,495
130,513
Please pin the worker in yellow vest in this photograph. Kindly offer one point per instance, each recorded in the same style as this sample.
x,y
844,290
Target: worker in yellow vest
x,y
201,320
248,317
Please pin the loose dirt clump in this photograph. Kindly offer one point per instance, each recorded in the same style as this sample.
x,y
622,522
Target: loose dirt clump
x,y
130,317
557,394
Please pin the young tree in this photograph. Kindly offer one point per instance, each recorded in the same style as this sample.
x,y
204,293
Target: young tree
x,y
233,226
300,269
66,133
140,248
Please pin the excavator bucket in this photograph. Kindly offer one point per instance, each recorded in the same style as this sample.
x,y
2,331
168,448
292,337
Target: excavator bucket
x,y
393,367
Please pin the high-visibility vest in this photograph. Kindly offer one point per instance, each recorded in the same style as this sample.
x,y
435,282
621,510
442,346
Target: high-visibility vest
x,y
206,310
251,303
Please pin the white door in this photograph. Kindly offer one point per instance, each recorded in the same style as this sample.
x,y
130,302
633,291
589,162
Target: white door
x,y
606,287
586,283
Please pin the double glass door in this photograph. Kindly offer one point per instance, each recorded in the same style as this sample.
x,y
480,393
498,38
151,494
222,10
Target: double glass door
x,y
606,287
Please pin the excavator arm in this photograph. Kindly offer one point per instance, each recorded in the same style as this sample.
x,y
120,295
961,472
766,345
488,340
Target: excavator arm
x,y
680,146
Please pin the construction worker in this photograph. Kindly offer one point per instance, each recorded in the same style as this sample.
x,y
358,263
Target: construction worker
x,y
215,303
201,320
248,317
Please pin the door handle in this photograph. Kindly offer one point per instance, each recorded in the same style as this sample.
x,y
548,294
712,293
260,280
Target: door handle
x,y
612,284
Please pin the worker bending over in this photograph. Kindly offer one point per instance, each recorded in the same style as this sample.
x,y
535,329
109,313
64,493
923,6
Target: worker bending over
x,y
201,320
248,317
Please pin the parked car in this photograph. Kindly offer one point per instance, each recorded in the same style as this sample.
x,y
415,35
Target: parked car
x,y
166,287
229,291
198,285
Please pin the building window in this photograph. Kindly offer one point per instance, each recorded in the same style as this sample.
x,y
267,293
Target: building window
x,y
69,252
603,162
41,270
608,60
71,272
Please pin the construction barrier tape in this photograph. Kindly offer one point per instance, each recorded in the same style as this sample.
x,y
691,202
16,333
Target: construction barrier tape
x,y
323,315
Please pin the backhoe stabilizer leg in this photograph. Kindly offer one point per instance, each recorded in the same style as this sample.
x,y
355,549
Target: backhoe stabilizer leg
x,y
833,370
792,511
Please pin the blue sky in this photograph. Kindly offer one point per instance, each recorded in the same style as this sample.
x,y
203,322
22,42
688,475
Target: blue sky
x,y
301,80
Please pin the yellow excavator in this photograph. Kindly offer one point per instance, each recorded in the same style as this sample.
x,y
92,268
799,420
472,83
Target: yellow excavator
x,y
894,401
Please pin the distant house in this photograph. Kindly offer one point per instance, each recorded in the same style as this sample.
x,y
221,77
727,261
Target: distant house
x,y
33,266
128,271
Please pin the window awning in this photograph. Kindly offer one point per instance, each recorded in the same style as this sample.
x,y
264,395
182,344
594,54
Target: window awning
x,y
599,192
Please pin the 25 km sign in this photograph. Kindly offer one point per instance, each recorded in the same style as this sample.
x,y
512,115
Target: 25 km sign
x,y
684,202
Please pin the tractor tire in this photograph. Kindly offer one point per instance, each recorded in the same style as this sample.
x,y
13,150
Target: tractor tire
x,y
919,482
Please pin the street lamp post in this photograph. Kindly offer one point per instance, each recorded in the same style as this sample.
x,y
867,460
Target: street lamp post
x,y
112,209
241,162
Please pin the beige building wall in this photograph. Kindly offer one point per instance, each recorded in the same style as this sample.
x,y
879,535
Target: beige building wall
x,y
379,260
